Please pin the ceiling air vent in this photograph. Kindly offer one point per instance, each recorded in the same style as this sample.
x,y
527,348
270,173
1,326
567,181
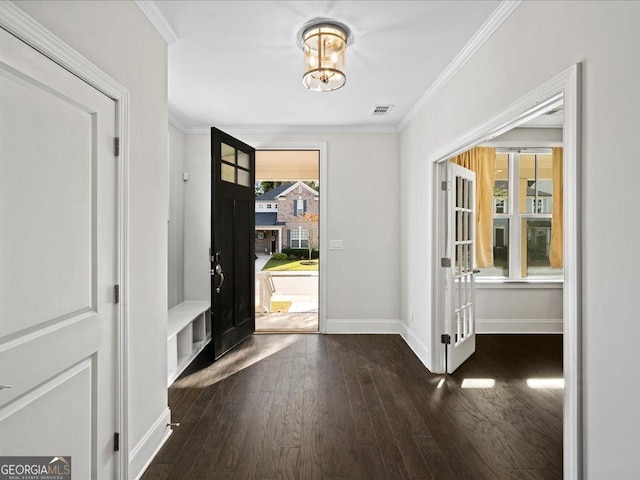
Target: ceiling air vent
x,y
381,110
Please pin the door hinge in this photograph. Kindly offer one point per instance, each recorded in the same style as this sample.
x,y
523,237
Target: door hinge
x,y
116,294
445,262
116,146
445,185
445,338
116,442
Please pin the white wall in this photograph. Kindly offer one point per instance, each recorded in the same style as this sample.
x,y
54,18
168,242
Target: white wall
x,y
176,217
538,41
518,308
118,38
363,196
197,217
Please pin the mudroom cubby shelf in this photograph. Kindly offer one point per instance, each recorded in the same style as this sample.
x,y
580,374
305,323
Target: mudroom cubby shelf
x,y
188,332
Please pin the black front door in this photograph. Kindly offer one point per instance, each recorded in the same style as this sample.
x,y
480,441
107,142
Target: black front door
x,y
232,241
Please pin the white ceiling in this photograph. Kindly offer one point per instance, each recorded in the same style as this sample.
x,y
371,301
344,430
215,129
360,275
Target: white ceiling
x,y
237,64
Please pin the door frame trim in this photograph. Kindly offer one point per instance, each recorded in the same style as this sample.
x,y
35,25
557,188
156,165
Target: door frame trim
x,y
322,273
566,85
34,34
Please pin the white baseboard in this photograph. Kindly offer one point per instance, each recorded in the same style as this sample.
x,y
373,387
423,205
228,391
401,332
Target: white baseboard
x,y
420,349
519,326
363,326
148,447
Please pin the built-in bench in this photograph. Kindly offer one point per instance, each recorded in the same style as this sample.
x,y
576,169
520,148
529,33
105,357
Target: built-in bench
x,y
188,332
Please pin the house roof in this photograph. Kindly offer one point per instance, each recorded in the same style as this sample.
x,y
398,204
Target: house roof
x,y
267,219
273,194
531,192
283,190
302,184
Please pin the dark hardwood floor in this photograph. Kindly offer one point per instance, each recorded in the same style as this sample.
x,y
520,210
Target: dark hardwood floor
x,y
363,406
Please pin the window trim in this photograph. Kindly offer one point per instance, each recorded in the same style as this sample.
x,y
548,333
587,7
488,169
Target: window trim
x,y
302,232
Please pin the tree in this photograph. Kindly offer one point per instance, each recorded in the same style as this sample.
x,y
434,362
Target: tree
x,y
311,220
262,187
313,184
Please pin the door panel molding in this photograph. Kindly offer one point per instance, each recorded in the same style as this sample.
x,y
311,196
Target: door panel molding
x,y
67,397
22,26
19,337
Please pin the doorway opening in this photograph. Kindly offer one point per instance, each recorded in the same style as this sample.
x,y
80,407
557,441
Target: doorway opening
x,y
559,92
287,240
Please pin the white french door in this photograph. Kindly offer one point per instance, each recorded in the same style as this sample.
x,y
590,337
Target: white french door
x,y
58,264
459,265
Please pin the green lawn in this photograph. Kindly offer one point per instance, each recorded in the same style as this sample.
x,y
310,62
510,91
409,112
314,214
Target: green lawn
x,y
290,266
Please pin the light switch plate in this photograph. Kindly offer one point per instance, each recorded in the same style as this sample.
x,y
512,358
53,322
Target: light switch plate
x,y
336,245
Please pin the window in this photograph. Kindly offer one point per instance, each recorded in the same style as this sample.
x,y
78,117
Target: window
x,y
299,208
235,165
299,238
523,206
268,205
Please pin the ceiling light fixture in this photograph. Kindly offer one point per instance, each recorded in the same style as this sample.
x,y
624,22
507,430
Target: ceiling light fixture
x,y
324,44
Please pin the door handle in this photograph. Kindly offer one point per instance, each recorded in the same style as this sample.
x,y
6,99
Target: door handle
x,y
218,270
2,387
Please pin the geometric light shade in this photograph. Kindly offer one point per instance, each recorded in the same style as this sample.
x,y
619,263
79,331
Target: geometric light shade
x,y
324,45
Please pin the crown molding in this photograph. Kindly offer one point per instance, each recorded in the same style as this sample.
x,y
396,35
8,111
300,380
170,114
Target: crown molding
x,y
287,129
179,124
158,20
487,29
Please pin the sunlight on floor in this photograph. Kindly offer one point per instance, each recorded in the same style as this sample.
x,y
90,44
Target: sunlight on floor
x,y
478,383
228,365
257,354
545,382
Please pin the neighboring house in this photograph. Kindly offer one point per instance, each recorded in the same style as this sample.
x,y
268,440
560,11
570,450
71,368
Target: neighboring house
x,y
278,217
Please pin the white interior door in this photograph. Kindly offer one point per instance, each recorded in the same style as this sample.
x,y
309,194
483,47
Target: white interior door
x,y
58,265
460,245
